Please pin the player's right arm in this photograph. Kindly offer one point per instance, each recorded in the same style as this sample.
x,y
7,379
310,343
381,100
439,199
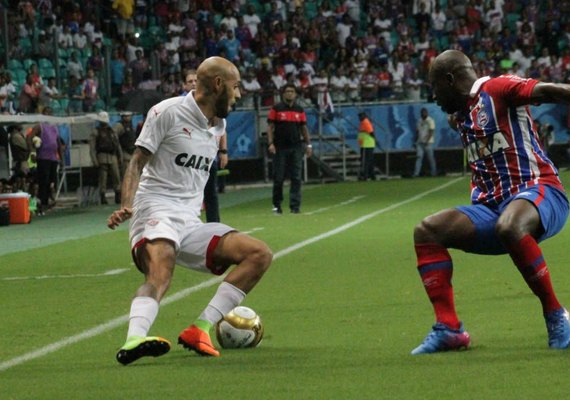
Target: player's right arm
x,y
140,158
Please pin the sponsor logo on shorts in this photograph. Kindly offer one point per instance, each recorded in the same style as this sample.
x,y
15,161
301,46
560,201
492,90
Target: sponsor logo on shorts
x,y
153,222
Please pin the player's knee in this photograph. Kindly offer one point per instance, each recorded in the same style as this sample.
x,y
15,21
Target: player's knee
x,y
424,232
507,231
260,256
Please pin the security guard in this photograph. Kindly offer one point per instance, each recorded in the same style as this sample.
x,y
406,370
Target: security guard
x,y
127,136
106,155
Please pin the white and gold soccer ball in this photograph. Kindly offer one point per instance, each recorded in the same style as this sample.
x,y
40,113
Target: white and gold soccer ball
x,y
240,328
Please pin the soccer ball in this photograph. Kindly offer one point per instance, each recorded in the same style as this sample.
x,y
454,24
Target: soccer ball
x,y
240,328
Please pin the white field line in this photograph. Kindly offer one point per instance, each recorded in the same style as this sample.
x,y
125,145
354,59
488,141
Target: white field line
x,y
253,230
344,203
24,278
114,323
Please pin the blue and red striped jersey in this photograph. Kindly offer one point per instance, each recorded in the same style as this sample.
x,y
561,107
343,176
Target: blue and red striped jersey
x,y
501,140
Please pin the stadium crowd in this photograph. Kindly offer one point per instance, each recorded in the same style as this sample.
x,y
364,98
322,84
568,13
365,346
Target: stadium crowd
x,y
332,50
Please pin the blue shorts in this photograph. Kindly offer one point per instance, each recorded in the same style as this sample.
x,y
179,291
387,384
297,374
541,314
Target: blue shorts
x,y
552,206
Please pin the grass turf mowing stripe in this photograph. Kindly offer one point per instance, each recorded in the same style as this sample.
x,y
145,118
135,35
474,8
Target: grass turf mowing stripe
x,y
114,323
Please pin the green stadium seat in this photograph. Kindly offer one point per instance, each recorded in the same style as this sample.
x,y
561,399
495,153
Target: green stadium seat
x,y
63,53
47,73
64,103
19,76
45,63
512,19
56,107
27,63
15,64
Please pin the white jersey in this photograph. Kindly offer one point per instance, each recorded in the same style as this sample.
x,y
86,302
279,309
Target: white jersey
x,y
176,133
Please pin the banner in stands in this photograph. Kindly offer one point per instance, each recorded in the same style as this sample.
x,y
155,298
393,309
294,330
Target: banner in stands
x,y
395,125
242,137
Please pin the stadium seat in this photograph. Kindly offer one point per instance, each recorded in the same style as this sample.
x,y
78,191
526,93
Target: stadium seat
x,y
27,63
45,63
47,73
19,76
100,105
56,107
512,19
14,64
64,103
63,53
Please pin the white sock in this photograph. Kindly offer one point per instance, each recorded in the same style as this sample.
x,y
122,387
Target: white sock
x,y
226,299
143,313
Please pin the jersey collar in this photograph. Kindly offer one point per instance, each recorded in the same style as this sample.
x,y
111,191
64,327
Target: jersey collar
x,y
475,89
217,130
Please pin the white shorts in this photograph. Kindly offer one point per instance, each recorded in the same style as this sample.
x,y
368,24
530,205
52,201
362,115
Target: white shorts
x,y
194,240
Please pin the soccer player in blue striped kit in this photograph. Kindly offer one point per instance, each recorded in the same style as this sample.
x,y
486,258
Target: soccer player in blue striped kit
x,y
517,198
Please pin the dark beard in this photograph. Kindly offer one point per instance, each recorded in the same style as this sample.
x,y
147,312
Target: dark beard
x,y
221,106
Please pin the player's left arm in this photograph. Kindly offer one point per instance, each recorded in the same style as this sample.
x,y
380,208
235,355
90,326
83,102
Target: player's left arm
x,y
550,93
223,150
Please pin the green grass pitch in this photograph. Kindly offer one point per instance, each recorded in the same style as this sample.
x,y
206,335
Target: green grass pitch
x,y
342,305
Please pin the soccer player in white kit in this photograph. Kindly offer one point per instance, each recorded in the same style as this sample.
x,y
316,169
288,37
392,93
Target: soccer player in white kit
x,y
162,194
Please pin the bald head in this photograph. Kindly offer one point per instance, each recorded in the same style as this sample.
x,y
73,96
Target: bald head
x,y
452,76
214,67
450,61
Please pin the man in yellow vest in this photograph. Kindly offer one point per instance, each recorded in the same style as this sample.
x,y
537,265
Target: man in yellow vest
x,y
367,143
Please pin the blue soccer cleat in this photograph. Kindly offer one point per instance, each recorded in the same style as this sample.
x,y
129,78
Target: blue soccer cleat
x,y
443,338
558,328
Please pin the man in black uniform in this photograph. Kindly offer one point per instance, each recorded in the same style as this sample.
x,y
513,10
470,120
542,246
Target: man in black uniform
x,y
126,133
288,138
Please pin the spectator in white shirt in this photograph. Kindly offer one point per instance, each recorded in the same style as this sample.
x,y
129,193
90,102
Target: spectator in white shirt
x,y
65,40
251,19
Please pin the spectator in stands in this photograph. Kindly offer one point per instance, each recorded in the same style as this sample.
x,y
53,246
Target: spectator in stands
x,y
128,85
369,85
90,91
438,20
138,67
65,39
413,87
95,61
251,90
7,93
230,46
46,47
75,95
80,39
118,66
353,86
74,66
49,93
170,86
124,23
28,99
37,79
251,19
